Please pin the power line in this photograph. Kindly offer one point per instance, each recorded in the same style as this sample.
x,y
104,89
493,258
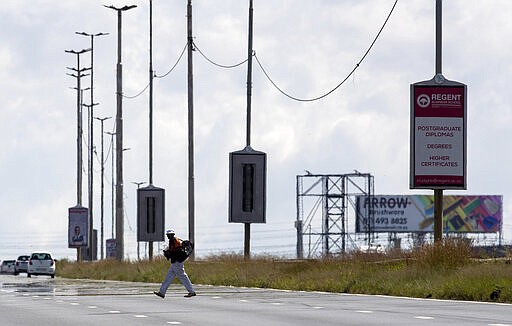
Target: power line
x,y
265,71
156,76
217,64
137,95
343,81
177,61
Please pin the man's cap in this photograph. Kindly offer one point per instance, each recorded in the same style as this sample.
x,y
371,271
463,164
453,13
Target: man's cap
x,y
170,231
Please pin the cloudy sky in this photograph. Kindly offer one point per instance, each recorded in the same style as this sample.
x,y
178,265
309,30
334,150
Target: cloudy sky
x,y
307,47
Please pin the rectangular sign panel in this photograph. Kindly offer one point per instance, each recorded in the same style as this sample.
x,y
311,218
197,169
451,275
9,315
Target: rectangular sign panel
x,y
111,248
150,214
415,213
247,186
78,227
438,135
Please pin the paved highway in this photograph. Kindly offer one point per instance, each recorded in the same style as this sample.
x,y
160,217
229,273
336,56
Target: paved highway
x,y
43,301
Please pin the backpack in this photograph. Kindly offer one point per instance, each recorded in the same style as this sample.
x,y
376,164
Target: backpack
x,y
188,247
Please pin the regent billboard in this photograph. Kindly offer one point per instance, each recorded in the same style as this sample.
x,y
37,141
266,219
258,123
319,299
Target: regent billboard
x,y
438,135
415,213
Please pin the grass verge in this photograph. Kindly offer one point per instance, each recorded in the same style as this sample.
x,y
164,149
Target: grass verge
x,y
443,271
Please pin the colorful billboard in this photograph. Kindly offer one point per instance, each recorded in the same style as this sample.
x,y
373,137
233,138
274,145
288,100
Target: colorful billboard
x,y
415,213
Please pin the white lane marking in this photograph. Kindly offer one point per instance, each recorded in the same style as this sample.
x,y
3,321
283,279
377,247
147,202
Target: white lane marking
x,y
318,307
216,297
365,311
114,311
423,317
243,300
174,322
47,298
139,316
92,307
499,324
74,303
276,303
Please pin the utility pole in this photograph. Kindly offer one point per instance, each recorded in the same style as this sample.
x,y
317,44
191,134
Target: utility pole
x,y
113,196
119,139
438,193
190,79
151,74
138,184
102,186
247,226
91,144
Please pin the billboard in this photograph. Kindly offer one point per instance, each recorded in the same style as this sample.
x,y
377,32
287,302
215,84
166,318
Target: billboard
x,y
247,186
78,227
150,214
111,248
438,135
415,213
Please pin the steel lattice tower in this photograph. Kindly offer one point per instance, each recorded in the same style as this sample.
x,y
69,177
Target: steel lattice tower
x,y
324,203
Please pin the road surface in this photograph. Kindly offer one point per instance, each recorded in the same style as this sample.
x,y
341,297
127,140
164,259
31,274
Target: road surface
x,y
43,301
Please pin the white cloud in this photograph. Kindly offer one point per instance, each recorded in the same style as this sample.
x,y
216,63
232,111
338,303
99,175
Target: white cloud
x,y
307,48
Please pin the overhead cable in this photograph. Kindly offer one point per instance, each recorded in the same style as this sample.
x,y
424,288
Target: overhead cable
x,y
156,76
177,61
343,81
138,94
217,64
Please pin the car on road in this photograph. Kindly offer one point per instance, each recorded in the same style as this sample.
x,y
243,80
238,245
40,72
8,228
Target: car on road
x,y
41,263
21,265
7,266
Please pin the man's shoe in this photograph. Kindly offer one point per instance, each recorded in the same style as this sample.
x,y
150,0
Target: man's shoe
x,y
161,295
190,294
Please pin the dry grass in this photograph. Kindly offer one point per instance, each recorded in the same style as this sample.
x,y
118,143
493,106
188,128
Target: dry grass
x,y
444,270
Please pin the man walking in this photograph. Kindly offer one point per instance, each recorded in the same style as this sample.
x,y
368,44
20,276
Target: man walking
x,y
177,269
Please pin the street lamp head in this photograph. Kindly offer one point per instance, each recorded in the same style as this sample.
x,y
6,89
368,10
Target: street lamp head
x,y
87,34
102,119
129,7
77,52
122,8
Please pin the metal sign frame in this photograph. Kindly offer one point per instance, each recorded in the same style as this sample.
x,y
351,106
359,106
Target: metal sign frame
x,y
438,130
150,214
247,188
78,227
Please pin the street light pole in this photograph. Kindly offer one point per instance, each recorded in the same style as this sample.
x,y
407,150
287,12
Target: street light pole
x,y
79,132
89,107
91,143
102,185
79,126
119,139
